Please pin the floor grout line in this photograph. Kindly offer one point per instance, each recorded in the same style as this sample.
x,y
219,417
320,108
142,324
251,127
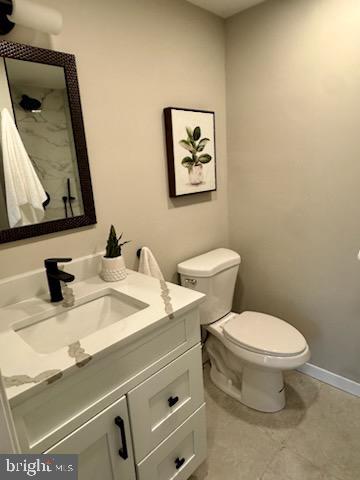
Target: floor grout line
x,y
272,443
270,462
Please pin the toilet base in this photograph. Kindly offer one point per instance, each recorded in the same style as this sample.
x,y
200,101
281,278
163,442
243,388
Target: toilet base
x,y
261,389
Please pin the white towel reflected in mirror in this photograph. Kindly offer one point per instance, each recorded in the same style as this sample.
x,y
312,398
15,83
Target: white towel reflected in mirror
x,y
25,194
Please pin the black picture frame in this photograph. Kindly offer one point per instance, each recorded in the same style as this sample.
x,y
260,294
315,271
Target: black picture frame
x,y
171,156
67,61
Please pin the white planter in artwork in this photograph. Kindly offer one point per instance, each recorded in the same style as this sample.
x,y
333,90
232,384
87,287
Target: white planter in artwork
x,y
196,174
113,269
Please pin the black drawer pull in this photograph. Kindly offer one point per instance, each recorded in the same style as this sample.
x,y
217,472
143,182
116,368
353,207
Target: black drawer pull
x,y
173,401
123,452
179,462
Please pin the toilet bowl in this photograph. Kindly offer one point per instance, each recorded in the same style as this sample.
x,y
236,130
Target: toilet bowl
x,y
248,351
265,346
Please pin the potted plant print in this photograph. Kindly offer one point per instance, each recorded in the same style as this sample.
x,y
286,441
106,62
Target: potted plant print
x,y
194,163
113,265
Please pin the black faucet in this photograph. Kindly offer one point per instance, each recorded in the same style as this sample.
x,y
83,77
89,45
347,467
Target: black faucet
x,y
55,276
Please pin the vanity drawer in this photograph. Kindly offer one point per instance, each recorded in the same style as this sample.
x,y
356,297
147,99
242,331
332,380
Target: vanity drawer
x,y
180,454
58,409
164,401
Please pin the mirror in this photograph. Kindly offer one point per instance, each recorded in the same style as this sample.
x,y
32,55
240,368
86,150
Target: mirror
x,y
45,183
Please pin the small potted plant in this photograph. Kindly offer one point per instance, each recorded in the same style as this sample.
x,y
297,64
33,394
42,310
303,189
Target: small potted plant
x,y
195,145
113,265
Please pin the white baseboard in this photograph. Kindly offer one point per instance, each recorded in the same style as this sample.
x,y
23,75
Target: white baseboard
x,y
333,379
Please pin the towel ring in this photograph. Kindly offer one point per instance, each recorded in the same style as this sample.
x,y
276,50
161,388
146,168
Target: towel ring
x,y
138,253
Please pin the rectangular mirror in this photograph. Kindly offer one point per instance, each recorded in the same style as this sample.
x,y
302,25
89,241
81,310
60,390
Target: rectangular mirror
x,y
45,183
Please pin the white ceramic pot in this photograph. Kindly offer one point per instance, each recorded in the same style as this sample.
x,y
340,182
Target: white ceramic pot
x,y
196,175
113,269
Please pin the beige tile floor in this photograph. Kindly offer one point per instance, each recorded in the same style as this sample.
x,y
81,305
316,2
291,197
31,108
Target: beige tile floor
x,y
316,437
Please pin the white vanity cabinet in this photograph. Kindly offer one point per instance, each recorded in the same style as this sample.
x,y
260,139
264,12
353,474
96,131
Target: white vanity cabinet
x,y
103,445
136,413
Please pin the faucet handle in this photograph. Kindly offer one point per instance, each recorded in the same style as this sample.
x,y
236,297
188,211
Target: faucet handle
x,y
54,261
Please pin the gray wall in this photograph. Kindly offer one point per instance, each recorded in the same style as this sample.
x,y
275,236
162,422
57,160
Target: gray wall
x,y
294,144
293,91
134,58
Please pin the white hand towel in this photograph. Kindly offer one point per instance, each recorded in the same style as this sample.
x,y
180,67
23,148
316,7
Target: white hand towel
x,y
24,192
148,264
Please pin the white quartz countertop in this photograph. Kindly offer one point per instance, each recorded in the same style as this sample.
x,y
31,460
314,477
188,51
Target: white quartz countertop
x,y
23,369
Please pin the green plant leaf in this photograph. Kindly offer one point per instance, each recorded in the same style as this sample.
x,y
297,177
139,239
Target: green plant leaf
x,y
190,133
202,144
113,246
187,145
187,162
124,243
205,158
197,133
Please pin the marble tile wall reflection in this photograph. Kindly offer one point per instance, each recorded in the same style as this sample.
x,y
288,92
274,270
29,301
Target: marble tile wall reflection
x,y
48,139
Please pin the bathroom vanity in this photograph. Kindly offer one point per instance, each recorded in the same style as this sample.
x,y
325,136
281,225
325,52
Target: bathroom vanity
x,y
116,379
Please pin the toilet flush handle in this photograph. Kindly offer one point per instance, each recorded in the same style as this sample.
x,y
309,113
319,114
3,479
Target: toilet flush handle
x,y
190,282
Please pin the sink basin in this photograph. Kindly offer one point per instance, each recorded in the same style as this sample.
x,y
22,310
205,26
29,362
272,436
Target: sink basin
x,y
46,334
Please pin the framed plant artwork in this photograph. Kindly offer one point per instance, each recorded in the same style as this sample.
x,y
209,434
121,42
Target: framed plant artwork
x,y
190,145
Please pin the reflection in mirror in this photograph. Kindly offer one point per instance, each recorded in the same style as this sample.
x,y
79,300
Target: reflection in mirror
x,y
39,178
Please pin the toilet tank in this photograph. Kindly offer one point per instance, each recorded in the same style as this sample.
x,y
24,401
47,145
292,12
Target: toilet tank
x,y
213,273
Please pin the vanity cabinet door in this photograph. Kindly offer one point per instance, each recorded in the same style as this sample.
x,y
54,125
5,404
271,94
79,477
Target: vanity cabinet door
x,y
103,444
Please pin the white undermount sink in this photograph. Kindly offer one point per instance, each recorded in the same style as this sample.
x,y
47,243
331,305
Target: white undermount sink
x,y
48,333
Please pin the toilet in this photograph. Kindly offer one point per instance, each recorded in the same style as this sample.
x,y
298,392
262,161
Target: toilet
x,y
248,351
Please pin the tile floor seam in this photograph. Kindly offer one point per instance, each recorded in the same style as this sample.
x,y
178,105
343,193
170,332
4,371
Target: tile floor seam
x,y
322,468
281,442
288,437
317,467
271,461
313,438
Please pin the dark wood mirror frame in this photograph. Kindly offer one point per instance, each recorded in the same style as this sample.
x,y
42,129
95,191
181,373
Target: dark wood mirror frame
x,y
67,61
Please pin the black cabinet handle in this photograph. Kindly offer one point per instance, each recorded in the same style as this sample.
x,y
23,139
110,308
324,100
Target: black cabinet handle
x,y
173,401
123,452
179,462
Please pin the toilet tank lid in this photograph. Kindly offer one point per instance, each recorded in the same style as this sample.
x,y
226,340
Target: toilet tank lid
x,y
210,263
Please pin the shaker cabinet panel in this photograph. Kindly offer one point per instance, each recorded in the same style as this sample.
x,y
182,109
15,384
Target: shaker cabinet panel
x,y
180,454
164,401
103,444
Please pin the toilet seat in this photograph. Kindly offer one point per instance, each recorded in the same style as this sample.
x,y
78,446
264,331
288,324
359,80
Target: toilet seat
x,y
257,358
264,334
